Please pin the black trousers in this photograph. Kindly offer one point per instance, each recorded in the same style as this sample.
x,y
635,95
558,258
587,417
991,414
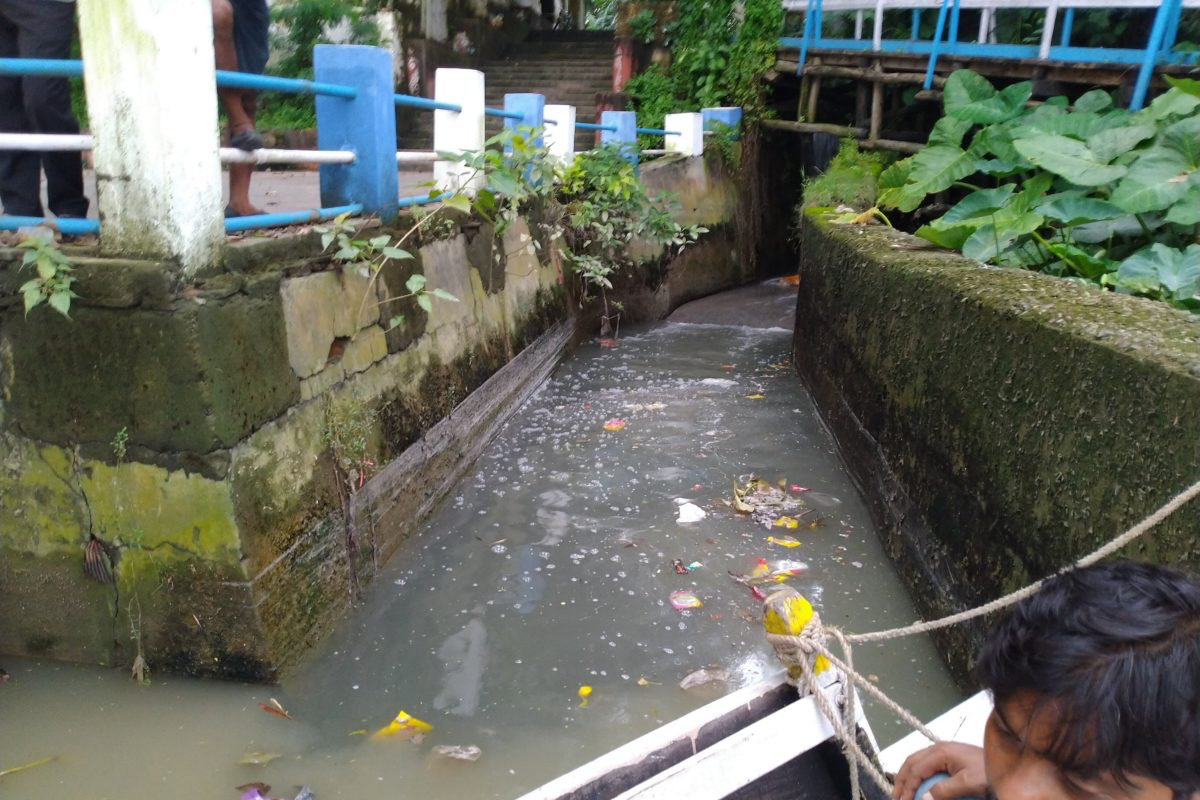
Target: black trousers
x,y
32,104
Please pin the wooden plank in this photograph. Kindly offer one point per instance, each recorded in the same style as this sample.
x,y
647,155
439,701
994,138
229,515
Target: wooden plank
x,y
741,758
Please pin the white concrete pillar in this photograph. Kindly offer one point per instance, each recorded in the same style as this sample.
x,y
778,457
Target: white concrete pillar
x,y
152,105
560,132
688,136
458,131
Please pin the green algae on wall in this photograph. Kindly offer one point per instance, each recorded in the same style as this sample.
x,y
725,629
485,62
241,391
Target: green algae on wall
x,y
1002,423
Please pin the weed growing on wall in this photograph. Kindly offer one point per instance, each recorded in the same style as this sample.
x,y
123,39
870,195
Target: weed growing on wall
x,y
52,280
1085,191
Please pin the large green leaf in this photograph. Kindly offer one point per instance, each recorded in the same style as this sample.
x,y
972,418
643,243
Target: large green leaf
x,y
893,190
971,98
1186,85
998,141
1159,267
949,238
1095,100
1171,103
936,168
1081,261
1186,211
991,239
982,203
1078,124
1158,178
1068,158
1072,209
949,130
1110,143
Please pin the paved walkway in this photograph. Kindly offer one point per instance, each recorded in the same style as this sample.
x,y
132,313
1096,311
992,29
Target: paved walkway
x,y
279,190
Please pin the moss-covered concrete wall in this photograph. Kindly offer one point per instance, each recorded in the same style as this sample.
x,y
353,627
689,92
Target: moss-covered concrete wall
x,y
1002,423
185,433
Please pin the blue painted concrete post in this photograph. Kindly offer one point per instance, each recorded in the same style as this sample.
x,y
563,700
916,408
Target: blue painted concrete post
x,y
728,116
532,108
936,45
1068,22
625,135
365,124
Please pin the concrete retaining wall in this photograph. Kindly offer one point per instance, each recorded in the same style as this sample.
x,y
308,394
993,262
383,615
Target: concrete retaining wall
x,y
1001,423
187,429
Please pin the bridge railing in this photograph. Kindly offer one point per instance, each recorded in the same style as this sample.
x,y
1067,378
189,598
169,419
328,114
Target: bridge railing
x,y
1159,48
356,137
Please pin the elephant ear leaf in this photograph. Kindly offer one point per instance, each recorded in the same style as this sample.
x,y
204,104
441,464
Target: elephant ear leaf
x,y
1068,158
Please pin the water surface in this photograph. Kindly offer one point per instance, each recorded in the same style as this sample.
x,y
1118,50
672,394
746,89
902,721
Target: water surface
x,y
549,568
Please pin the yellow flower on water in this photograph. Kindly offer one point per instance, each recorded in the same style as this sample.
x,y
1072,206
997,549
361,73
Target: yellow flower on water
x,y
584,693
787,522
784,541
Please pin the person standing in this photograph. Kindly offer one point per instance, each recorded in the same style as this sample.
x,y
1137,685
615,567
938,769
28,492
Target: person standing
x,y
240,44
38,104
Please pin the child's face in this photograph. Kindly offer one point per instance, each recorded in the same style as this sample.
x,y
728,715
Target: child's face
x,y
1016,736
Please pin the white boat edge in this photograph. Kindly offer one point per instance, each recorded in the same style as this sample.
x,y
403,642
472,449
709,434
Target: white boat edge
x,y
963,723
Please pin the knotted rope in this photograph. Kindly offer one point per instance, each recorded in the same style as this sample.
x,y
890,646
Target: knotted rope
x,y
800,651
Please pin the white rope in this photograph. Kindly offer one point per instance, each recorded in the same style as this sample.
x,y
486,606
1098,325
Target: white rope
x,y
1173,505
801,650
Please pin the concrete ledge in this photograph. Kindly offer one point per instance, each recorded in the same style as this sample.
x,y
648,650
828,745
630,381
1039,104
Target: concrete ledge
x,y
1001,423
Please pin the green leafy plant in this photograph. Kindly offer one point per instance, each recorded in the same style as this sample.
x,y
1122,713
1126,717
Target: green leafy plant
x,y
644,26
367,258
607,210
53,279
1086,191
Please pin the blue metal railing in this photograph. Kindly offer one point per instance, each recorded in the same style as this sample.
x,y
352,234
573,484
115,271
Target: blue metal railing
x,y
425,104
499,112
340,126
1160,46
73,68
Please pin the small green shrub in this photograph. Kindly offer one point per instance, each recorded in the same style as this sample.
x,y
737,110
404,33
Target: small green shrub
x,y
850,180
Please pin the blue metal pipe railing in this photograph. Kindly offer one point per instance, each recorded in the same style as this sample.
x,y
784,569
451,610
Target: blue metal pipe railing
x,y
592,126
73,68
425,103
655,132
239,224
419,199
71,226
499,112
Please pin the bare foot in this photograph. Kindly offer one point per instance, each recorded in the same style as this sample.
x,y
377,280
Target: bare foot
x,y
244,209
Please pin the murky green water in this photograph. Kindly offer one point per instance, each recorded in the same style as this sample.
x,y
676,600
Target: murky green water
x,y
549,568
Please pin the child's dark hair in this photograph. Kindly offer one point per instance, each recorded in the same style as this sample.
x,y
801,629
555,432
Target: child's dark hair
x,y
1115,649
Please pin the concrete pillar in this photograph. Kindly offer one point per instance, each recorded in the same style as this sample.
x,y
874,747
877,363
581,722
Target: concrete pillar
x,y
531,107
729,116
689,136
152,106
625,135
458,131
365,124
560,132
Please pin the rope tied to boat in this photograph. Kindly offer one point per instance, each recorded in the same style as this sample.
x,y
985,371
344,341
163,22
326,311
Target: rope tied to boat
x,y
801,642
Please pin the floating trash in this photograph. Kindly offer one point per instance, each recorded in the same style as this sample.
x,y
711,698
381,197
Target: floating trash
x,y
614,425
703,677
458,752
787,522
680,569
682,600
257,759
784,541
690,512
403,726
584,693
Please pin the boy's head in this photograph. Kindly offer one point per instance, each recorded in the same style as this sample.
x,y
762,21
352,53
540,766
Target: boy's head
x,y
1096,680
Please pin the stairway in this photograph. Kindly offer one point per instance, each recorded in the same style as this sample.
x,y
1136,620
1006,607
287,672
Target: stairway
x,y
568,67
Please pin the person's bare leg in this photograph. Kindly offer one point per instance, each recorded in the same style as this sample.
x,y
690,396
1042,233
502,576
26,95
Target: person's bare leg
x,y
239,174
226,58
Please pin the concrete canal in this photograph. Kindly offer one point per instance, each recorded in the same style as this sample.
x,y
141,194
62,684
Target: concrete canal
x,y
548,569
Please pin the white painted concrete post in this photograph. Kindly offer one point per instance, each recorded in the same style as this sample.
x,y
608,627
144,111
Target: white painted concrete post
x,y
560,132
690,138
458,131
152,104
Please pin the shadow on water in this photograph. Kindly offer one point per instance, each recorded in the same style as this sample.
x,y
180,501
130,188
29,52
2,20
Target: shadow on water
x,y
548,569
